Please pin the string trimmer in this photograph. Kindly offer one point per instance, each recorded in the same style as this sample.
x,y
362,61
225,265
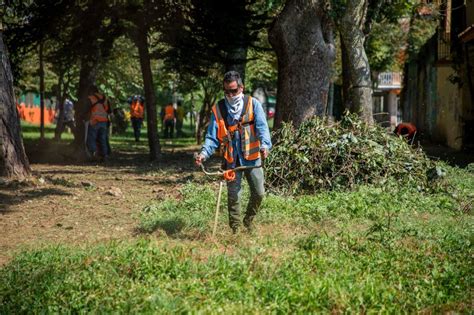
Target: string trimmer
x,y
226,175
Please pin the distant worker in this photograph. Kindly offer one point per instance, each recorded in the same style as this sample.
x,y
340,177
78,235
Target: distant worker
x,y
407,130
97,129
180,113
65,118
238,124
169,120
136,115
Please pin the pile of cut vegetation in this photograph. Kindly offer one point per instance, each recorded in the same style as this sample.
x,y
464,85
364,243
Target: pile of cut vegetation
x,y
323,155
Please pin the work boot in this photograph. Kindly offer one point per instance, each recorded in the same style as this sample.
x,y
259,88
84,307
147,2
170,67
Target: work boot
x,y
248,224
91,157
235,229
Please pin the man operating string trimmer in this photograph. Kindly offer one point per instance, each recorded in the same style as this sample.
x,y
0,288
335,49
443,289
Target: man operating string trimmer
x,y
238,123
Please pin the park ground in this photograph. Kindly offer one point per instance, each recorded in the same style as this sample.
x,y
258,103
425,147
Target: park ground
x,y
71,202
135,236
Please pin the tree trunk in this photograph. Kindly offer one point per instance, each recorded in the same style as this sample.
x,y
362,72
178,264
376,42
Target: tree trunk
x,y
13,160
59,106
41,88
203,122
87,76
204,114
346,82
210,89
141,41
302,36
351,30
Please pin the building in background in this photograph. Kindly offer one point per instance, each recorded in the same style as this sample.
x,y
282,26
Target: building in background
x,y
386,99
28,105
438,92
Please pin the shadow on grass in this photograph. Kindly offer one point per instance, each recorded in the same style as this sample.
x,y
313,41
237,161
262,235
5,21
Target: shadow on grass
x,y
176,164
125,152
171,226
13,194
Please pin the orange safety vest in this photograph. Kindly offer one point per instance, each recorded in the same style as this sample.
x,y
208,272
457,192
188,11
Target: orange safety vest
x,y
99,109
169,112
405,129
249,141
136,110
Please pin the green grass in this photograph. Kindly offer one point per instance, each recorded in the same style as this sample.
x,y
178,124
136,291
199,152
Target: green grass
x,y
31,132
126,141
391,250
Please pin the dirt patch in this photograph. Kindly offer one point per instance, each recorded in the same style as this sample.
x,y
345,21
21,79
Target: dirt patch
x,y
79,203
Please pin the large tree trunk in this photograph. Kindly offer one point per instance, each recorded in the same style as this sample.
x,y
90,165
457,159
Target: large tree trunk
x,y
302,36
141,41
351,30
346,82
87,76
13,160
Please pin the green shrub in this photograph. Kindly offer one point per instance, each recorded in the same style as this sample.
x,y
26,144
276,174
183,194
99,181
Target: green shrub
x,y
320,155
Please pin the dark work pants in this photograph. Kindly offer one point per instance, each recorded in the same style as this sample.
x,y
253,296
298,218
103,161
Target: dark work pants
x,y
255,179
137,126
169,128
97,136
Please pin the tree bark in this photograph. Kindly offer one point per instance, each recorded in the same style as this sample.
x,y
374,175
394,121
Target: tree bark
x,y
351,30
204,115
59,106
141,41
87,76
13,160
346,82
302,36
210,90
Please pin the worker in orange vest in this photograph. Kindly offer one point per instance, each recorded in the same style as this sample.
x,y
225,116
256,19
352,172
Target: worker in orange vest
x,y
238,124
406,130
169,119
136,115
97,126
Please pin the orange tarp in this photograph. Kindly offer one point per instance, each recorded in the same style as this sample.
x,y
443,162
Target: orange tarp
x,y
32,114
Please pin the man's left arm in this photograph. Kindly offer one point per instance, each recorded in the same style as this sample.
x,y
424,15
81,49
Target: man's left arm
x,y
261,126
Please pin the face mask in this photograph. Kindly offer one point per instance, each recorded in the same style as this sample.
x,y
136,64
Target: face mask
x,y
234,100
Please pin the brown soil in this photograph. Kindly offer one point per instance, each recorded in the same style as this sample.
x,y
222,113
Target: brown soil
x,y
81,203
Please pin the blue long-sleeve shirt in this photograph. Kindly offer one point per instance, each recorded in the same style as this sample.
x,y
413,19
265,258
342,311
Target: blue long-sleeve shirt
x,y
261,129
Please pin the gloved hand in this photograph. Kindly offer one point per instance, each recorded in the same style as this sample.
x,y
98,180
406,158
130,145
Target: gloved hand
x,y
264,153
199,158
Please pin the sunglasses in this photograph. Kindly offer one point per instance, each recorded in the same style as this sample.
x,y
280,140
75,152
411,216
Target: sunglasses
x,y
231,91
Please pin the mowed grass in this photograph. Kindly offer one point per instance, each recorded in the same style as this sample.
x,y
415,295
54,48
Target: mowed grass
x,y
370,250
125,141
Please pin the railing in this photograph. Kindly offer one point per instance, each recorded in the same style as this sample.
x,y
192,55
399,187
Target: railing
x,y
444,46
389,80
